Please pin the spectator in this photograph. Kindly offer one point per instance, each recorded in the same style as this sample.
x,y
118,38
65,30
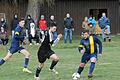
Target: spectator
x,y
85,24
92,25
68,28
32,34
3,36
3,24
14,24
42,27
104,24
28,20
52,23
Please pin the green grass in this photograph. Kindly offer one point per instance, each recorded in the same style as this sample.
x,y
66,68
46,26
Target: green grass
x,y
107,68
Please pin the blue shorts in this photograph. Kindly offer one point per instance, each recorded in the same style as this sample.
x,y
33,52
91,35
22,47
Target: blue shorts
x,y
86,57
14,50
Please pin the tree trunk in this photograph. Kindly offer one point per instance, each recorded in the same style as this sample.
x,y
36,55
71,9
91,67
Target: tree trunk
x,y
33,9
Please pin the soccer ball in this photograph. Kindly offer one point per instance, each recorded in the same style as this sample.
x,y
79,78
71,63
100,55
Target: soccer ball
x,y
76,76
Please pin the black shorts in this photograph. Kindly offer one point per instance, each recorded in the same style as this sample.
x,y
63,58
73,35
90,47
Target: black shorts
x,y
43,55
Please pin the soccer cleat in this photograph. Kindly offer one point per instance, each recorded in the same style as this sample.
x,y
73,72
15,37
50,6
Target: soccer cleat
x,y
53,70
76,76
36,78
90,75
26,70
30,44
37,43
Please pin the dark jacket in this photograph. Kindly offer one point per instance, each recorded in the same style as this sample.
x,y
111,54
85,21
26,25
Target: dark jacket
x,y
52,23
103,22
14,24
68,23
27,23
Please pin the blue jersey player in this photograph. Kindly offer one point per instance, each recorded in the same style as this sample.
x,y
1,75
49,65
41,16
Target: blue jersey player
x,y
16,46
88,46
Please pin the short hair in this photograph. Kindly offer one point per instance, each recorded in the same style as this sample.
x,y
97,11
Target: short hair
x,y
21,19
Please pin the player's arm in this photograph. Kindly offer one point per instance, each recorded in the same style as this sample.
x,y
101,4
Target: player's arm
x,y
81,47
99,43
18,36
57,40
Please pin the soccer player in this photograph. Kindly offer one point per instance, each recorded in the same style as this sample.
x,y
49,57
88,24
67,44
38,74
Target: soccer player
x,y
45,51
15,46
88,46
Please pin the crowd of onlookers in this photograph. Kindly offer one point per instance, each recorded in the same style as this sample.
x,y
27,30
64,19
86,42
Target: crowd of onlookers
x,y
103,24
35,33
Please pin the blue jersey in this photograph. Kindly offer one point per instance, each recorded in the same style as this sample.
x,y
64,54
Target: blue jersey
x,y
17,38
90,45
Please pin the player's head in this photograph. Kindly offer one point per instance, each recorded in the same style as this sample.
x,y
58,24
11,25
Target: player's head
x,y
53,28
86,34
22,22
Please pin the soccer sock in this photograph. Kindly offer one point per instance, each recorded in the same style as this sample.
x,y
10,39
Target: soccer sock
x,y
92,66
80,69
2,62
26,62
38,72
53,64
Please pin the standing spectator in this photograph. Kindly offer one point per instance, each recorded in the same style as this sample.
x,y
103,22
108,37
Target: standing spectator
x,y
3,36
32,34
28,20
85,24
68,24
14,24
3,24
104,24
52,23
92,25
42,27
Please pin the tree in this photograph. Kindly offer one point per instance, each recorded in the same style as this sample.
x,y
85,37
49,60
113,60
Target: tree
x,y
33,7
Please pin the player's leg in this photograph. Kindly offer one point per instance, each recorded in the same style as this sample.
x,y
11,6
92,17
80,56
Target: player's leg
x,y
84,60
27,56
7,57
92,66
41,59
38,70
55,60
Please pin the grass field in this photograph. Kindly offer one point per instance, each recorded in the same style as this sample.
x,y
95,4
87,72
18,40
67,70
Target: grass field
x,y
107,68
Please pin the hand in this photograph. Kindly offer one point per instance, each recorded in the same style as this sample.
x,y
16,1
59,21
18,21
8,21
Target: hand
x,y
65,28
59,36
100,54
82,51
72,29
24,41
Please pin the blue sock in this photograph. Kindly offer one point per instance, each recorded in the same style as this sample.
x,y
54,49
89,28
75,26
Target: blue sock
x,y
26,62
92,66
2,62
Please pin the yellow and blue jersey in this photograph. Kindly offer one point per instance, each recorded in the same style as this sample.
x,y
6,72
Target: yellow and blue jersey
x,y
90,45
17,38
